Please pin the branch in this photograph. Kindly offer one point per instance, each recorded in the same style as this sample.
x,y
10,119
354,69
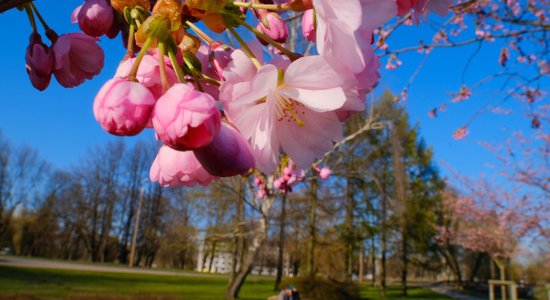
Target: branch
x,y
9,4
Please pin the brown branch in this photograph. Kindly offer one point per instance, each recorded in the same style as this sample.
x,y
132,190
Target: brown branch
x,y
9,4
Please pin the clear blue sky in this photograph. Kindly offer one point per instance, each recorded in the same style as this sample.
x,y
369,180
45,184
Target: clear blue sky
x,y
59,122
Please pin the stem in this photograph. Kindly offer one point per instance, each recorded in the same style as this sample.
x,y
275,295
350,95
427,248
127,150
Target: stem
x,y
130,47
246,48
293,56
210,80
46,27
28,10
263,6
176,66
163,75
142,52
205,37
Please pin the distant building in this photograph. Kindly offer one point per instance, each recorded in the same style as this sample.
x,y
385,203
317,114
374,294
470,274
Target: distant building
x,y
222,261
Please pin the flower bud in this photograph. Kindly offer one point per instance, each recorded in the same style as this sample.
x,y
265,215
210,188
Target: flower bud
x,y
308,25
40,62
95,17
186,119
173,168
277,29
123,107
148,73
229,154
77,57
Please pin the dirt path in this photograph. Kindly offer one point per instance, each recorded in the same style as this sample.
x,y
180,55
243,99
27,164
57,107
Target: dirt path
x,y
15,261
445,290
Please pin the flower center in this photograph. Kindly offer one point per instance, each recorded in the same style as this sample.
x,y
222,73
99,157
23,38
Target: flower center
x,y
289,110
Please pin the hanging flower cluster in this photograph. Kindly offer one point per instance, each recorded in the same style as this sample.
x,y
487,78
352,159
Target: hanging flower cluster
x,y
221,111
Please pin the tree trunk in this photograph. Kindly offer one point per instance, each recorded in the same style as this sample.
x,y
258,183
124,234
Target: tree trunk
x,y
502,271
361,261
401,193
258,238
349,226
312,228
373,262
280,257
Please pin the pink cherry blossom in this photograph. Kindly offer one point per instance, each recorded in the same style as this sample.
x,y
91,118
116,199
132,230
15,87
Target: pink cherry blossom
x,y
173,168
460,133
340,26
290,111
40,61
229,154
95,17
324,173
123,107
77,57
148,73
186,119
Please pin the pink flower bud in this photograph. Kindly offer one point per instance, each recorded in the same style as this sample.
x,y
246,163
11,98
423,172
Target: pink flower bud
x,y
277,29
40,62
123,107
308,25
77,57
324,173
186,119
148,73
95,17
229,154
173,168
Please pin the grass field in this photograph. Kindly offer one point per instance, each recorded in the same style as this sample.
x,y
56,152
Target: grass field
x,y
30,283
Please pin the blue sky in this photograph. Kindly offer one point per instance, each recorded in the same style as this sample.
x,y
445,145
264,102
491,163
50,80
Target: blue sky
x,y
59,122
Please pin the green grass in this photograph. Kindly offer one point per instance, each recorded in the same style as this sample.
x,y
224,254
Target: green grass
x,y
34,283
393,293
54,284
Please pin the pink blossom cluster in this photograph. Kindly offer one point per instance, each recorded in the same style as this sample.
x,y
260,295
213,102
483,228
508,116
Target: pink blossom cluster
x,y
74,57
221,111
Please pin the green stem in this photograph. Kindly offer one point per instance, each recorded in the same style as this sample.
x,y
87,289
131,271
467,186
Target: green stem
x,y
130,47
246,48
293,56
205,37
142,52
176,66
210,80
163,74
263,6
28,10
46,27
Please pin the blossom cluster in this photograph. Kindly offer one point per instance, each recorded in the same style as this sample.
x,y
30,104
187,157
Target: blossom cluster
x,y
222,111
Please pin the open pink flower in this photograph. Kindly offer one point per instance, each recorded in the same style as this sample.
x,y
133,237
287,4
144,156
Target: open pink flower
x,y
123,107
77,57
40,61
229,154
290,111
173,168
95,17
340,24
186,119
148,73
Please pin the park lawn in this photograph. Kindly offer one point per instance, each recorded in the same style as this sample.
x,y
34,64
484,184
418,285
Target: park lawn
x,y
73,284
36,283
393,293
